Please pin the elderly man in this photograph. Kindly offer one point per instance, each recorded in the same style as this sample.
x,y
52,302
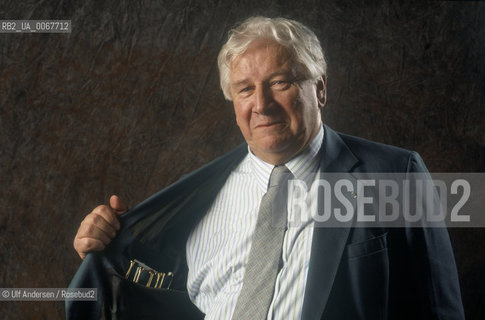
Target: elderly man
x,y
215,238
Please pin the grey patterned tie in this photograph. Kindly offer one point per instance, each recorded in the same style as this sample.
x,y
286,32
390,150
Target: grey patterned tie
x,y
264,260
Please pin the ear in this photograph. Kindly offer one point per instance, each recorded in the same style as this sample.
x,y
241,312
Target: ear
x,y
321,87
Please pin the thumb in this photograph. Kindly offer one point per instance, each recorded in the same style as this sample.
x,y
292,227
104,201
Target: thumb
x,y
118,205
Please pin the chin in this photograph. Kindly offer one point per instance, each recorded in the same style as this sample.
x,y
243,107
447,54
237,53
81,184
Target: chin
x,y
276,146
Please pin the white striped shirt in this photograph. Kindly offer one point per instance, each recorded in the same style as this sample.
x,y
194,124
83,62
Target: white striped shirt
x,y
218,248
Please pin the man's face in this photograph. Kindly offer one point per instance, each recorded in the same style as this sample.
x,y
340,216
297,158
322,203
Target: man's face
x,y
277,111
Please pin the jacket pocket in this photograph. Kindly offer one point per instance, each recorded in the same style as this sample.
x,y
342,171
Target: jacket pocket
x,y
368,274
129,300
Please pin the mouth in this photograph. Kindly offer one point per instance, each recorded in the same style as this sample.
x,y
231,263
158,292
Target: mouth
x,y
269,124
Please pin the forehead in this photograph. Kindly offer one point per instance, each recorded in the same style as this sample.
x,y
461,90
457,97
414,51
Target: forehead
x,y
261,56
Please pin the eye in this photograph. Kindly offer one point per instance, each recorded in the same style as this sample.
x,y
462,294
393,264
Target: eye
x,y
246,90
281,84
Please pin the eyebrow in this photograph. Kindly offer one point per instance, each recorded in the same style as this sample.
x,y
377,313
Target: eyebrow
x,y
239,83
274,74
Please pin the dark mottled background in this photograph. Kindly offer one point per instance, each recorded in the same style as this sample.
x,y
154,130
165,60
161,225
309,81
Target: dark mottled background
x,y
129,101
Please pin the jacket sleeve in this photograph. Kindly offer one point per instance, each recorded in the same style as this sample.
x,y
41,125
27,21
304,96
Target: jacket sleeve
x,y
434,277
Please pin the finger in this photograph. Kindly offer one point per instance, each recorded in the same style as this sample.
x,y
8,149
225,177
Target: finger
x,y
118,205
95,226
107,214
85,245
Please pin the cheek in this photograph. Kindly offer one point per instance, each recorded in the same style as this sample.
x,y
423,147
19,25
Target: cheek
x,y
293,103
244,127
242,115
297,113
306,109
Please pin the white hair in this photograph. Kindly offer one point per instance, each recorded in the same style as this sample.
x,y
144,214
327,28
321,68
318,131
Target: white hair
x,y
300,42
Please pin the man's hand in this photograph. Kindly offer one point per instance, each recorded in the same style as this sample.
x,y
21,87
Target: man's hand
x,y
99,227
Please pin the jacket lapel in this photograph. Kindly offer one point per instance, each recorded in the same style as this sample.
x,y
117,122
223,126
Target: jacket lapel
x,y
183,201
328,244
155,231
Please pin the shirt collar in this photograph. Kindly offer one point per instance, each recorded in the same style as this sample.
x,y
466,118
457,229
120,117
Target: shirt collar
x,y
303,167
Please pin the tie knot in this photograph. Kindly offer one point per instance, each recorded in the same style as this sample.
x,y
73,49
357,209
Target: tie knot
x,y
278,175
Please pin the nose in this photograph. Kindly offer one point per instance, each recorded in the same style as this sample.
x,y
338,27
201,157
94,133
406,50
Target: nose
x,y
263,99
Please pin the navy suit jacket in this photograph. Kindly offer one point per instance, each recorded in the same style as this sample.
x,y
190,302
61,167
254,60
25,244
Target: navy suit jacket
x,y
354,273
